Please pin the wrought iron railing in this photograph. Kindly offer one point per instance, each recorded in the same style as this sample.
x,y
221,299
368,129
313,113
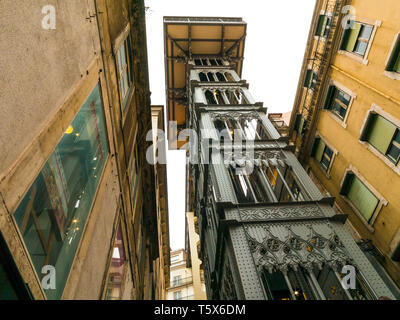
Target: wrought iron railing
x,y
181,282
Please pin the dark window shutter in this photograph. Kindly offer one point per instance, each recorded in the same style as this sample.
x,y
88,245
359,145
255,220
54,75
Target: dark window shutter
x,y
309,78
322,21
345,38
346,183
314,146
329,96
367,127
297,122
394,62
396,253
302,125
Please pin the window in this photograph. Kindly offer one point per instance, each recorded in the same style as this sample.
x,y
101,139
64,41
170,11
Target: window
x,y
322,153
394,61
356,39
133,171
177,295
210,97
203,77
229,77
117,268
359,195
311,79
300,124
52,215
220,77
12,285
324,23
248,128
383,136
177,280
210,76
225,96
265,183
337,101
125,69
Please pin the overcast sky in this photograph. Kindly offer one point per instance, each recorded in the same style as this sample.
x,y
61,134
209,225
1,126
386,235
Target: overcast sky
x,y
275,43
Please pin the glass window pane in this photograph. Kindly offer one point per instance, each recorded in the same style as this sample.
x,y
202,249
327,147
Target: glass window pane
x,y
7,291
343,97
361,47
366,32
117,268
53,213
394,153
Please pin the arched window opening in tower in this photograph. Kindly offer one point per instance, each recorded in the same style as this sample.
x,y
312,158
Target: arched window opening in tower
x,y
203,77
240,97
231,97
210,76
197,62
220,77
267,183
213,62
229,77
219,97
210,97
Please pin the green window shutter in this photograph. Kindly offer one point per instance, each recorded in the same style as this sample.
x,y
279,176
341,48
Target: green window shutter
x,y
297,122
322,21
329,97
396,67
346,183
320,150
368,126
394,62
301,125
381,133
309,79
362,198
352,37
314,146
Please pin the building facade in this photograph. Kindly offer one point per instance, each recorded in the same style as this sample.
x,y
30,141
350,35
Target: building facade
x,y
266,231
161,264
183,285
345,120
78,215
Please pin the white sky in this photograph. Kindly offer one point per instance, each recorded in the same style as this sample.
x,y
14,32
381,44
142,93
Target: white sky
x,y
275,43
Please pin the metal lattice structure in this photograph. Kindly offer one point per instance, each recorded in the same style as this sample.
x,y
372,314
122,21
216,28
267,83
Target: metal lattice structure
x,y
266,232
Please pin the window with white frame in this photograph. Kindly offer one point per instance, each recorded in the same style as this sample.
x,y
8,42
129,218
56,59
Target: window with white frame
x,y
322,153
337,101
383,135
360,196
323,26
393,64
356,38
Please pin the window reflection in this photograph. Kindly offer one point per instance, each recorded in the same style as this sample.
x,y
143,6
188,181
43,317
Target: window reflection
x,y
117,268
53,213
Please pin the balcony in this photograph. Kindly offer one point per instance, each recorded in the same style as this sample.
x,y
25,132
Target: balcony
x,y
191,297
181,282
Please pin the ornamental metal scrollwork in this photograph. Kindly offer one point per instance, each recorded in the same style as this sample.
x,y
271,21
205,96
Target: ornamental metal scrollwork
x,y
308,249
228,291
280,212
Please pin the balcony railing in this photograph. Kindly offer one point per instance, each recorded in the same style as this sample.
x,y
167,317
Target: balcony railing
x,y
191,297
181,282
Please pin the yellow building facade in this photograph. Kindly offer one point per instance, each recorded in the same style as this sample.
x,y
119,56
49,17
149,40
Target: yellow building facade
x,y
345,122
